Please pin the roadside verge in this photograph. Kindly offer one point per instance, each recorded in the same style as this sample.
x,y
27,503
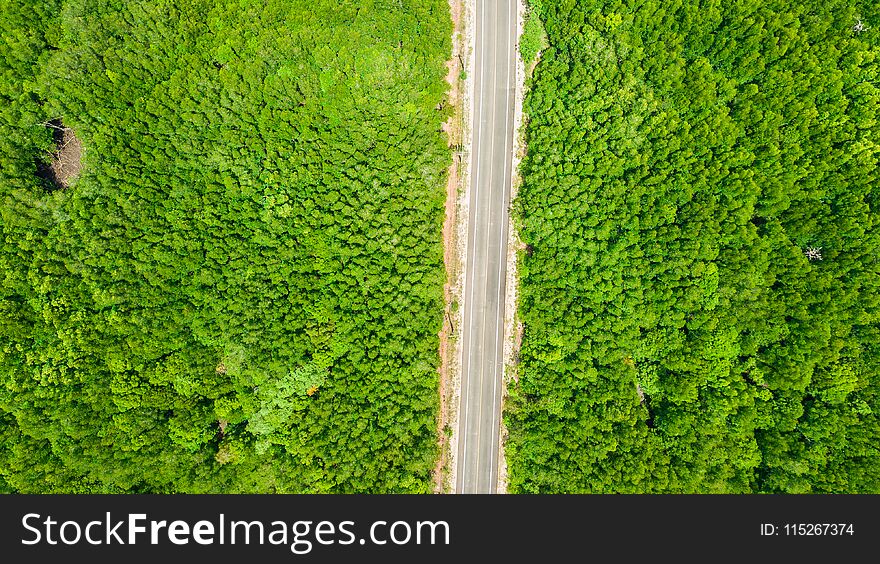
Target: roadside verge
x,y
460,72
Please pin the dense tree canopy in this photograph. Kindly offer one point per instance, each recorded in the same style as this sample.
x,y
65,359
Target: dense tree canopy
x,y
243,288
700,286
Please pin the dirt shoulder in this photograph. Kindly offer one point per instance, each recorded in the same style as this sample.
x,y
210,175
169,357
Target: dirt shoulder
x,y
454,239
512,325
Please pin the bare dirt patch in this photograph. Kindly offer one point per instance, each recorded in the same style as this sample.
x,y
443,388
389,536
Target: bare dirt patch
x,y
456,132
65,162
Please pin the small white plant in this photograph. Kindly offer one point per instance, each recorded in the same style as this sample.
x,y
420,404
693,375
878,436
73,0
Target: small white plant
x,y
813,253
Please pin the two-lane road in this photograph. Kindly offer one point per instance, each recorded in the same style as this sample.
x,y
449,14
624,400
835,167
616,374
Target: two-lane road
x,y
485,274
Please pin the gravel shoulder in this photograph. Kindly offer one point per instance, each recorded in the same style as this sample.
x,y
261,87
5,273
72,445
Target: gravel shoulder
x,y
512,324
458,130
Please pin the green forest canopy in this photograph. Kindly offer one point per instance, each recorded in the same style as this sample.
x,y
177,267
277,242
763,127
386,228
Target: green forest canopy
x,y
700,285
242,290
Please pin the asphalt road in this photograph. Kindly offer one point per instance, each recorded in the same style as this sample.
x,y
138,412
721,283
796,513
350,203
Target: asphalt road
x,y
483,333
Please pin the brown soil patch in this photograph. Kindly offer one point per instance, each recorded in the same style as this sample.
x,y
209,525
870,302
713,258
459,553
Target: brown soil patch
x,y
453,131
65,163
448,327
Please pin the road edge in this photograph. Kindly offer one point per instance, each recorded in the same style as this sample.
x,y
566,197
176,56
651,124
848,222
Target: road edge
x,y
512,324
455,241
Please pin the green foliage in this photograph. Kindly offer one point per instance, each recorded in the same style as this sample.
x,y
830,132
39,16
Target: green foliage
x,y
683,156
281,398
243,289
533,38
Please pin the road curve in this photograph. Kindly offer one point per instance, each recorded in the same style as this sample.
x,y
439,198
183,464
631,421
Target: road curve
x,y
485,274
